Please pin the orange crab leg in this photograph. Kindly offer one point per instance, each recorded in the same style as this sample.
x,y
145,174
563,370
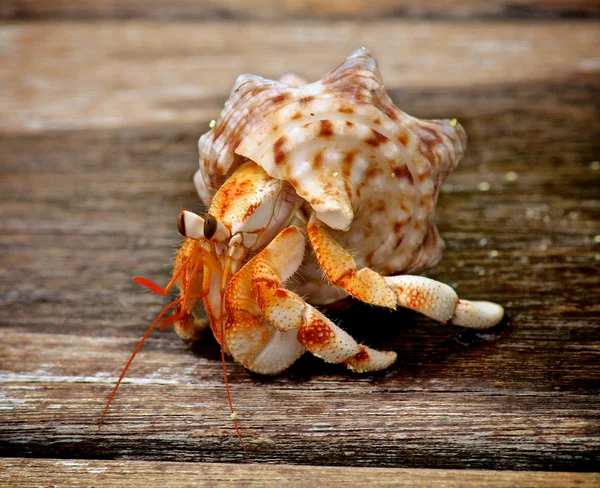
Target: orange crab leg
x,y
424,295
340,269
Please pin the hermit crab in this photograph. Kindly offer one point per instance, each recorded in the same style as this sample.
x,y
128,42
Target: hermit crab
x,y
328,183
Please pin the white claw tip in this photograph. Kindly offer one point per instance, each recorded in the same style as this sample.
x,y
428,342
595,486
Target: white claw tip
x,y
477,315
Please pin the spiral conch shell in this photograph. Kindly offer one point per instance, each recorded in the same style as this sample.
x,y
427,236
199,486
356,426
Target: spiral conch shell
x,y
371,172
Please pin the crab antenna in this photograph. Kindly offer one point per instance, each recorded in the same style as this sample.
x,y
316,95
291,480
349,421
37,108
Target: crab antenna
x,y
135,351
163,291
186,298
224,276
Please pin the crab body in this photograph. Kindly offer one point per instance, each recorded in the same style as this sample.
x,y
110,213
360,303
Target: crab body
x,y
332,184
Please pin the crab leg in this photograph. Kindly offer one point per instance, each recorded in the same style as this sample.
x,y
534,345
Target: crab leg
x,y
440,302
431,298
340,269
249,337
290,315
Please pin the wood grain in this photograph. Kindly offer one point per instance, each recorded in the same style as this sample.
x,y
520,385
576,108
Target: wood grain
x,y
69,472
55,78
269,10
92,177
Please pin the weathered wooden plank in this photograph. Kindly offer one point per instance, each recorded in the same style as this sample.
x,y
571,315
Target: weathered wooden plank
x,y
83,211
267,10
54,77
73,473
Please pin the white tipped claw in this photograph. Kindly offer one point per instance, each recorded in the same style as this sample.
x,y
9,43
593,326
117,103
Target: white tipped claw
x,y
477,315
190,225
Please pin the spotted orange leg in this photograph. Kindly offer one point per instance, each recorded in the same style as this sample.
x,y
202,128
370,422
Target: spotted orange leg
x,y
429,297
257,297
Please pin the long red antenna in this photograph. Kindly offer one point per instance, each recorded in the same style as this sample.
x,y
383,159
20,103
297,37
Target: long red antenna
x,y
224,277
135,351
157,289
207,258
210,264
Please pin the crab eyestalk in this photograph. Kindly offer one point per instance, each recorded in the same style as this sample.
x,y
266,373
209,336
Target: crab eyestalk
x,y
210,228
190,225
215,230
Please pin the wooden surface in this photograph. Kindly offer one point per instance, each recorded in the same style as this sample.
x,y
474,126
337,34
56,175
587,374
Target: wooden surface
x,y
60,473
99,120
268,10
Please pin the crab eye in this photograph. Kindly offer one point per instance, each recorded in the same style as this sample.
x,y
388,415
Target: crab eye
x,y
181,223
210,226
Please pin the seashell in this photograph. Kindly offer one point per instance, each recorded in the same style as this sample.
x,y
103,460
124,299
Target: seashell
x,y
371,172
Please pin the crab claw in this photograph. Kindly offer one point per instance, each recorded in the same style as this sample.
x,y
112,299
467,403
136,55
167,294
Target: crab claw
x,y
269,326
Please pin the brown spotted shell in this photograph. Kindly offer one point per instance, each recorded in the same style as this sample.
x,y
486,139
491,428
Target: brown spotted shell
x,y
371,172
